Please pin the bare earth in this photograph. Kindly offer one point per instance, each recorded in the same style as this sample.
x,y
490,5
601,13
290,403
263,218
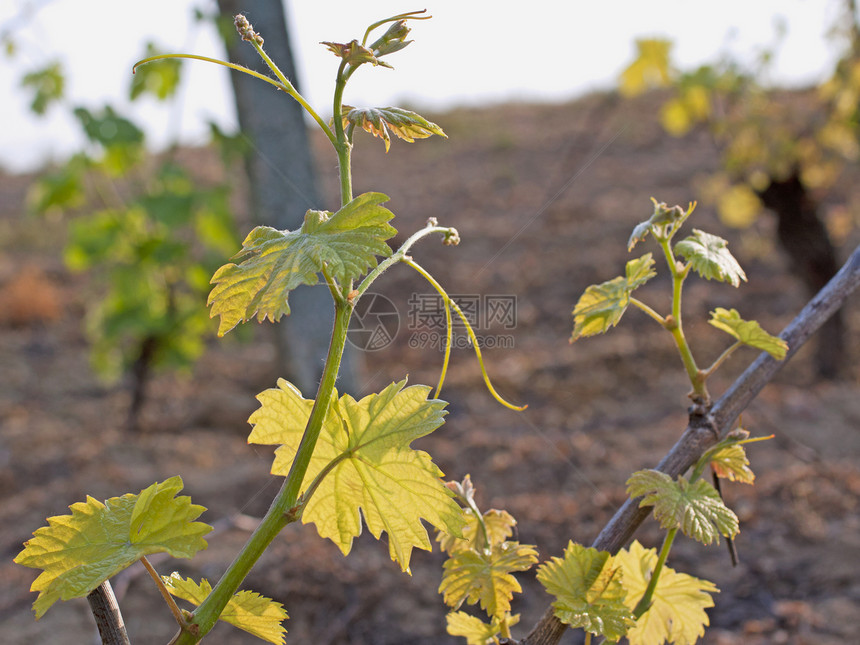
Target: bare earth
x,y
544,198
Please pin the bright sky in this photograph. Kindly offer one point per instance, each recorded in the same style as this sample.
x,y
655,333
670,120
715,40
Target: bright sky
x,y
471,52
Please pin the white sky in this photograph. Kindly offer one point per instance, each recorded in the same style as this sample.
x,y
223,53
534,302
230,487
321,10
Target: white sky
x,y
471,52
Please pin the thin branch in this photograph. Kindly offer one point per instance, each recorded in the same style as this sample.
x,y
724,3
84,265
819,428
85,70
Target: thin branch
x,y
107,614
705,430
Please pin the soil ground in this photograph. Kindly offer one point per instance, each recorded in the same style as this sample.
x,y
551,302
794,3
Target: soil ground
x,y
544,198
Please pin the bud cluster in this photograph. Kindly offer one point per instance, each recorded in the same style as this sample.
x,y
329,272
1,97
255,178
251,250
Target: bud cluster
x,y
246,30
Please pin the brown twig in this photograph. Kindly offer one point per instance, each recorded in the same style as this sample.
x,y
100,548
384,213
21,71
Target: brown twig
x,y
705,430
108,617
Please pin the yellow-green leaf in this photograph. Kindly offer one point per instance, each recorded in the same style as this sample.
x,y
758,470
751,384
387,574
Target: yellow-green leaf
x,y
602,305
475,630
404,124
80,551
710,257
499,526
677,612
696,508
749,332
485,577
247,610
586,584
272,263
730,462
371,468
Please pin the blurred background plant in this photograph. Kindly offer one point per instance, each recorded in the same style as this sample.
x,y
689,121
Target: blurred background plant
x,y
780,152
146,231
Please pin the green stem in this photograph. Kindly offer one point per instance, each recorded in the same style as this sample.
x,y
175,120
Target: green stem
x,y
721,359
645,602
397,256
674,325
283,508
475,345
342,146
289,89
653,314
168,598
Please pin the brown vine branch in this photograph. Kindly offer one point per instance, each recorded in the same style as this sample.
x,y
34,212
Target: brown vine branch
x,y
706,428
108,617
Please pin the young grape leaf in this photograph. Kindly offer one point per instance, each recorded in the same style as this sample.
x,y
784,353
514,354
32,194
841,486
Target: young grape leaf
x,y
485,576
475,630
602,305
365,446
499,525
272,263
662,220
749,332
404,124
696,508
78,552
710,257
587,586
731,462
677,612
247,610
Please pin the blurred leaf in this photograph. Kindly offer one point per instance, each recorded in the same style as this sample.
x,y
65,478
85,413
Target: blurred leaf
x,y
121,140
586,585
696,509
48,85
403,123
602,305
677,612
159,78
651,67
710,257
247,610
738,206
60,190
80,551
749,332
272,263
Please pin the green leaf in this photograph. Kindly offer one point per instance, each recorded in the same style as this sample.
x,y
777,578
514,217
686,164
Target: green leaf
x,y
364,448
587,586
677,612
602,305
710,257
749,332
404,124
159,78
730,462
696,508
485,576
48,85
80,551
273,262
475,630
247,610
